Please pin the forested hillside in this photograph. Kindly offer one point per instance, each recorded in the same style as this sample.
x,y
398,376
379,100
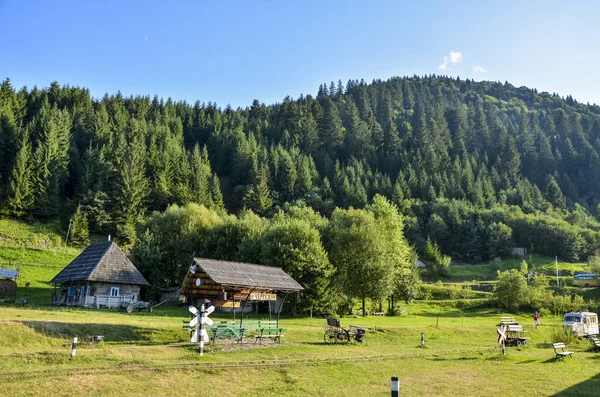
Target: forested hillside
x,y
476,167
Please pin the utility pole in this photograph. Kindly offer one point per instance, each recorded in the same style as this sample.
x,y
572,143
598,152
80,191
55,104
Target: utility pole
x,y
68,231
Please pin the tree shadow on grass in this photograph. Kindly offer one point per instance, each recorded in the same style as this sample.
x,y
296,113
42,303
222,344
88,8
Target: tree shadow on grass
x,y
111,332
453,358
589,387
527,361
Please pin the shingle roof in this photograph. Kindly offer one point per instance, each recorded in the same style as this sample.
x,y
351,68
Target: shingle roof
x,y
240,274
104,262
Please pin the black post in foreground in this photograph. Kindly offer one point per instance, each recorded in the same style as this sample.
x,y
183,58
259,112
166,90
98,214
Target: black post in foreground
x,y
395,386
74,346
422,339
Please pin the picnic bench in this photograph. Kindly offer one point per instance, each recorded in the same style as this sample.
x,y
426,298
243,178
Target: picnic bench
x,y
226,332
260,330
335,333
508,321
561,353
269,333
379,314
516,335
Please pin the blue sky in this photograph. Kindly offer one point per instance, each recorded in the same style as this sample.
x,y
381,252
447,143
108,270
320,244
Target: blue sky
x,y
232,51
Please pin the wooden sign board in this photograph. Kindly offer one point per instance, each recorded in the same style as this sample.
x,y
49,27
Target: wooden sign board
x,y
227,304
257,297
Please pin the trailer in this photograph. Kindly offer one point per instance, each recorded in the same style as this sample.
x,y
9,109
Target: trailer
x,y
581,324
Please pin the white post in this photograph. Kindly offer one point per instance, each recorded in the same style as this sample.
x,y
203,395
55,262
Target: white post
x,y
395,386
109,301
201,315
74,346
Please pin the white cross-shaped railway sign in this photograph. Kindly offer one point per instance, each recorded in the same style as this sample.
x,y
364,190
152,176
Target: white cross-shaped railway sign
x,y
502,334
198,324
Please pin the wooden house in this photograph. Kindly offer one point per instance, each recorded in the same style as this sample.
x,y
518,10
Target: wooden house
x,y
230,285
101,276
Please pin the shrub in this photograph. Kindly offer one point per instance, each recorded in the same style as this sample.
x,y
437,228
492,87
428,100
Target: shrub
x,y
399,311
560,334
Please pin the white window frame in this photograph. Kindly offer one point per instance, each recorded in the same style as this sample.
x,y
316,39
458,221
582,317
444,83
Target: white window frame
x,y
114,291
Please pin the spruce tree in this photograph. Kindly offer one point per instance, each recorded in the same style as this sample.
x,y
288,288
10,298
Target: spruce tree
x,y
258,198
79,236
20,193
216,197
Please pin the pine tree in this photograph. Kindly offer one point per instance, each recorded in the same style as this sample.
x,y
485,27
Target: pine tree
x,y
216,196
332,130
199,176
258,197
554,195
131,190
20,194
79,236
51,136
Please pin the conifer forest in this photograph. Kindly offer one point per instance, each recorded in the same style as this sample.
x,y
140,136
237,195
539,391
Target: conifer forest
x,y
454,167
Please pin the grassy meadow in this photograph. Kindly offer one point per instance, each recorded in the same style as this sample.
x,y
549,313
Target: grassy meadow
x,y
150,354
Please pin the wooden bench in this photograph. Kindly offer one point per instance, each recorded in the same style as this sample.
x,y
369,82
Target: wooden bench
x,y
508,321
516,335
269,333
562,353
595,342
256,325
226,332
379,314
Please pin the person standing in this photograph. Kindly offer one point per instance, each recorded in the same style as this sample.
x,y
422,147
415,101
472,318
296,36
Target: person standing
x,y
536,319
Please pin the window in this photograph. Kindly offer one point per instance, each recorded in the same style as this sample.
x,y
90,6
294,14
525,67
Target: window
x,y
72,290
82,291
114,291
89,290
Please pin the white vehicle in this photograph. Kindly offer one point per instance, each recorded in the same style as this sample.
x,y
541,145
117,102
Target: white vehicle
x,y
581,324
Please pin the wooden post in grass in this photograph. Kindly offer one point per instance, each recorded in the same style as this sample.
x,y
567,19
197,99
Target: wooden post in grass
x,y
395,386
422,339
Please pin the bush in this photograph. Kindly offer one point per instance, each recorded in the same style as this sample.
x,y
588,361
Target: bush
x,y
560,334
399,311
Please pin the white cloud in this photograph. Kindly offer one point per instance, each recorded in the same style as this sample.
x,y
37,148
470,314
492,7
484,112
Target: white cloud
x,y
455,57
479,69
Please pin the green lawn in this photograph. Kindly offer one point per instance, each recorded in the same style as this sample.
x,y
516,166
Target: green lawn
x,y
148,354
